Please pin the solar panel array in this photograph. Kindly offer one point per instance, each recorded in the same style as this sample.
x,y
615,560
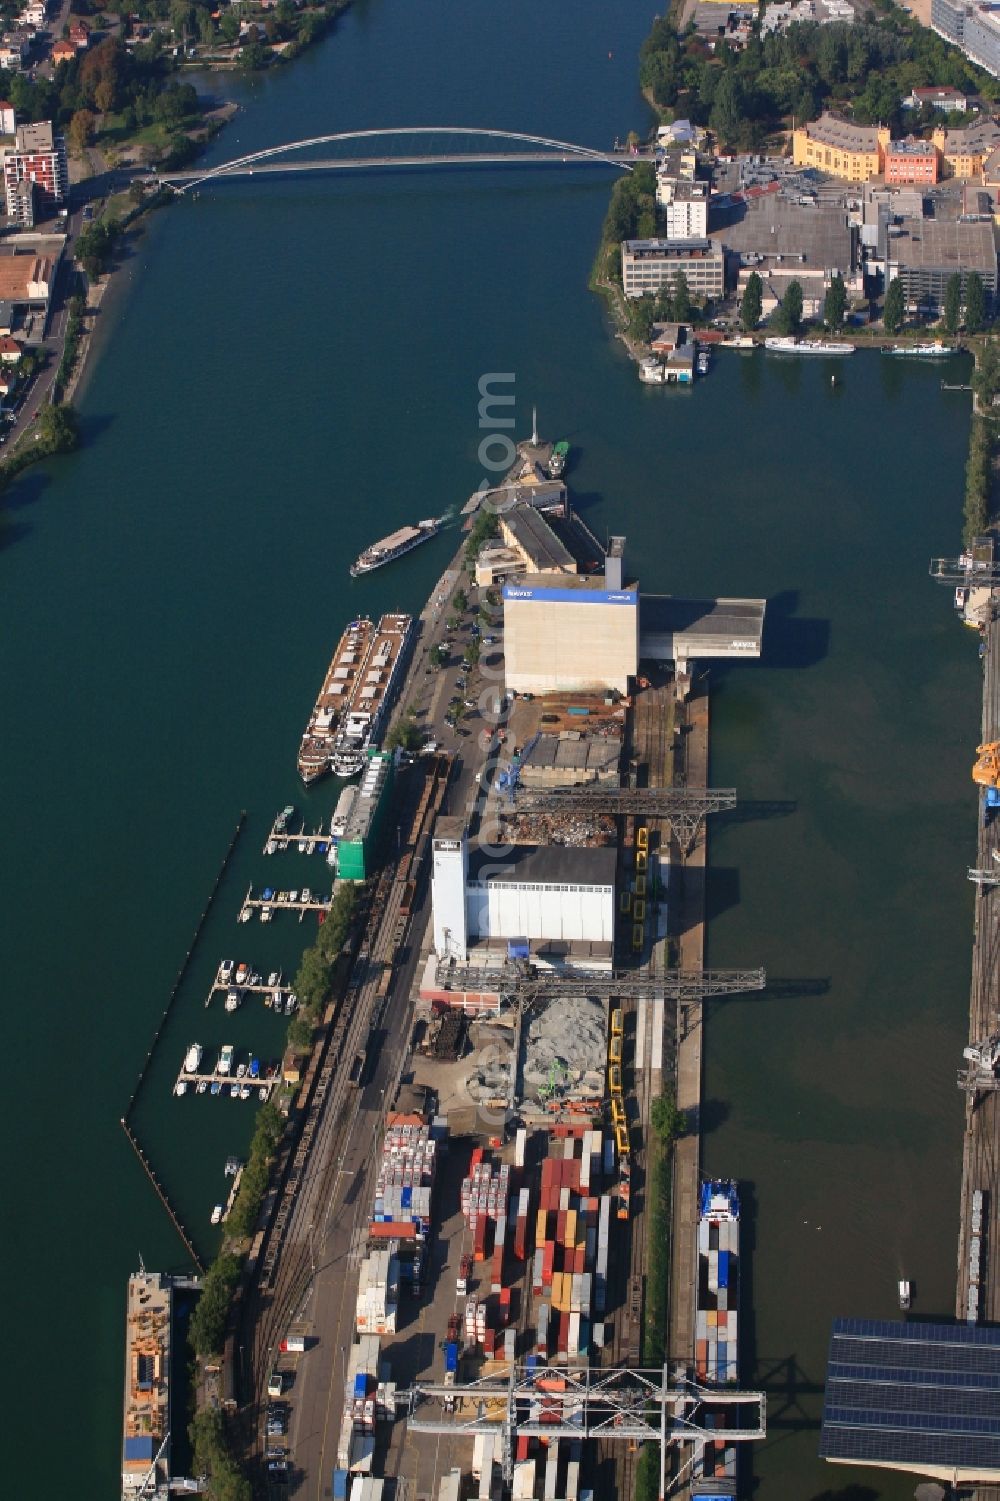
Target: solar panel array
x,y
916,1395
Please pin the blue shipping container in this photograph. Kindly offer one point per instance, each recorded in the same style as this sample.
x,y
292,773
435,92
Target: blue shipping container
x,y
723,1268
340,1485
451,1357
406,1198
517,948
360,1385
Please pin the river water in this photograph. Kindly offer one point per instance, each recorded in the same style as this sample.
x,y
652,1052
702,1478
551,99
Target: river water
x,y
293,371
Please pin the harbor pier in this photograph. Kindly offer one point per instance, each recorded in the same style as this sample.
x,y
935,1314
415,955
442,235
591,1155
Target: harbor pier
x,y
978,1288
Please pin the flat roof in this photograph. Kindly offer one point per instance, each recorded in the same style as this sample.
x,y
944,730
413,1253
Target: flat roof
x,y
703,626
946,245
548,865
830,130
536,539
775,225
922,1397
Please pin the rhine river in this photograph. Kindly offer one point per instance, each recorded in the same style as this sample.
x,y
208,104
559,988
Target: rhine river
x,y
292,370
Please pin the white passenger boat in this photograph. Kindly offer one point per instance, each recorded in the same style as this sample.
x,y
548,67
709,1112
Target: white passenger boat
x,y
192,1058
180,1088
225,1062
807,346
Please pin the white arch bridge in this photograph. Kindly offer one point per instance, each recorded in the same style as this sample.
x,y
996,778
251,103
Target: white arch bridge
x,y
546,152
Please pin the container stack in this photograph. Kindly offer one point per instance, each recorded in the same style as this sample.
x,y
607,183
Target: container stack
x,y
405,1183
570,1264
378,1294
716,1314
367,1488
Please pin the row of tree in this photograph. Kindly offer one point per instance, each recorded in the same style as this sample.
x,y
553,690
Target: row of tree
x,y
743,95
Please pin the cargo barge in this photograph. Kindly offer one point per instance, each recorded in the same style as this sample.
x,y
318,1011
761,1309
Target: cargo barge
x,y
348,661
394,546
146,1408
371,694
716,1324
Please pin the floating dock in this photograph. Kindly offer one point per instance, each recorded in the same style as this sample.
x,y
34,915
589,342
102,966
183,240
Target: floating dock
x,y
306,841
271,902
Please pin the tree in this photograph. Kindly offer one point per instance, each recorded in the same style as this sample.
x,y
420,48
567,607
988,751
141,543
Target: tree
x,y
81,130
229,27
471,654
752,303
975,303
835,303
895,306
682,299
641,317
727,109
57,428
789,316
953,303
406,735
668,1122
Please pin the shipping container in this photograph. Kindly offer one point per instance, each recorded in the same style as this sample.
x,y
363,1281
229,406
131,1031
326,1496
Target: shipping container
x,y
339,1487
520,1147
450,1488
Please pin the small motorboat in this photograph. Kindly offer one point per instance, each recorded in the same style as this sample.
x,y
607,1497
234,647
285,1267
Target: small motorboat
x,y
265,914
272,978
180,1088
233,1165
255,1068
217,1215
234,1091
245,915
216,1086
263,1094
277,999
241,1071
202,1085
225,971
307,894
242,970
233,999
281,822
905,1294
293,896
272,847
245,1092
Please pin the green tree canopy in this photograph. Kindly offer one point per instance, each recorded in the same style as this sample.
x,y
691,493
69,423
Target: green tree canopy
x,y
835,303
752,303
975,303
952,312
789,314
895,307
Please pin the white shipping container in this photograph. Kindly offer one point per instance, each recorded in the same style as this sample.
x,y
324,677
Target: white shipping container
x,y
552,1473
564,1197
450,1488
486,1475
523,1203
510,1345
362,1450
520,1144
598,1336
572,1489
703,1228
573,1338
524,1480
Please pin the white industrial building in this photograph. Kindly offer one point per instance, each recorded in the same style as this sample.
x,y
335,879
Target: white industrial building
x,y
551,896
572,633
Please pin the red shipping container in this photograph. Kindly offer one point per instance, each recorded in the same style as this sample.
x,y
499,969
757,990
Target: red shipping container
x,y
561,1228
479,1239
475,1159
581,1255
520,1239
523,1441
505,1300
548,1263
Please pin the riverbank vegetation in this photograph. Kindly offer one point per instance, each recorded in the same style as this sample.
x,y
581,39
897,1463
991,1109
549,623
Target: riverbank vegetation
x,y
667,1125
214,1459
253,1183
863,69
316,970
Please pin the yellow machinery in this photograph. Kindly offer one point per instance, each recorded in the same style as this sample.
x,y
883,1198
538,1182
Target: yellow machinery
x,y
617,1023
642,838
615,1050
639,911
641,859
640,885
615,1078
625,903
617,1111
637,937
986,772
621,1139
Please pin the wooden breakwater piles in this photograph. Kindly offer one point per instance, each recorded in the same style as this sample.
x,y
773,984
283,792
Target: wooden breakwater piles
x,y
134,1142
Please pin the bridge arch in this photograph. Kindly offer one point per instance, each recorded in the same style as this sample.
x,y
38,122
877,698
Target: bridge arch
x,y
240,163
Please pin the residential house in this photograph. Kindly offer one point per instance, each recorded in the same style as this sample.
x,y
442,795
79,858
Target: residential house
x,y
13,52
10,350
39,158
63,51
854,152
911,163
7,118
33,14
79,36
964,151
942,96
